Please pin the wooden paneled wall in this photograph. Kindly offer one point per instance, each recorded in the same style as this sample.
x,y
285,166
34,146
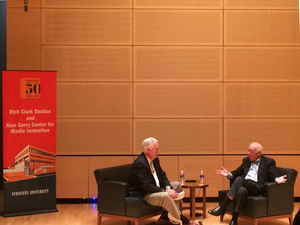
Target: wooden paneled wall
x,y
204,77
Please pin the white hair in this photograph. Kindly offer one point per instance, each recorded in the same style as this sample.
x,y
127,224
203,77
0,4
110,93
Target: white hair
x,y
257,146
147,142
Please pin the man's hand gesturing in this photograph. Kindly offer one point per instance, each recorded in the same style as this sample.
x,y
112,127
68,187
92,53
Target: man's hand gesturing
x,y
223,172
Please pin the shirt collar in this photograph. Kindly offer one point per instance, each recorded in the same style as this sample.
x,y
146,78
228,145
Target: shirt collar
x,y
149,160
256,162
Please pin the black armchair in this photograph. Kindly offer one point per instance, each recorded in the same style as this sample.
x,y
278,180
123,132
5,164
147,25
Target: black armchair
x,y
276,201
113,196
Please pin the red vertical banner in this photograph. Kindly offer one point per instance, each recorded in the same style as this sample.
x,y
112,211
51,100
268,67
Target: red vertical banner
x,y
29,142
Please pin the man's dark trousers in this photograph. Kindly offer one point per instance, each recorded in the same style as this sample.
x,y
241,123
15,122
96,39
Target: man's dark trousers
x,y
240,189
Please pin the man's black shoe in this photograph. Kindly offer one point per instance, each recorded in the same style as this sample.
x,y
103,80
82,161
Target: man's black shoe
x,y
233,222
216,211
167,222
192,222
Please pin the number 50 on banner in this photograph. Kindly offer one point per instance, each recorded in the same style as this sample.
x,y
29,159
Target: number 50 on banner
x,y
30,88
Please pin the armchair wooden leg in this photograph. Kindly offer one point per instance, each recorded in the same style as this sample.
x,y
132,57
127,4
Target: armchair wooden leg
x,y
221,218
291,219
255,222
136,222
99,218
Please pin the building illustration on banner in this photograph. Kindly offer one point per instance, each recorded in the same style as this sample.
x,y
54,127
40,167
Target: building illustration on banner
x,y
30,163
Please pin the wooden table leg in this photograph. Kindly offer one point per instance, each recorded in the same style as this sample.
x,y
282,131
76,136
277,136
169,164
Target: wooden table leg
x,y
204,202
193,203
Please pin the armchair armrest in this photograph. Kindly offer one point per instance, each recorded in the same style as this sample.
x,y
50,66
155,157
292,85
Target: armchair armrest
x,y
111,197
280,198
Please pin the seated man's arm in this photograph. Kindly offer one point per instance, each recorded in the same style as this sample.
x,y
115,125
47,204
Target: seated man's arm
x,y
273,173
165,183
142,176
162,174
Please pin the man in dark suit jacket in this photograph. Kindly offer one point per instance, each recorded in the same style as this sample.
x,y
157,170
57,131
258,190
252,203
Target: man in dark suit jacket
x,y
150,181
248,179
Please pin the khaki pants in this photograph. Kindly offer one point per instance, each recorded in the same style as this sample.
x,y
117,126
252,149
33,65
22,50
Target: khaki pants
x,y
164,200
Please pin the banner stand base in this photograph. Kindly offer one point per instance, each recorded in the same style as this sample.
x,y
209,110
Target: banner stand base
x,y
1,201
29,213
